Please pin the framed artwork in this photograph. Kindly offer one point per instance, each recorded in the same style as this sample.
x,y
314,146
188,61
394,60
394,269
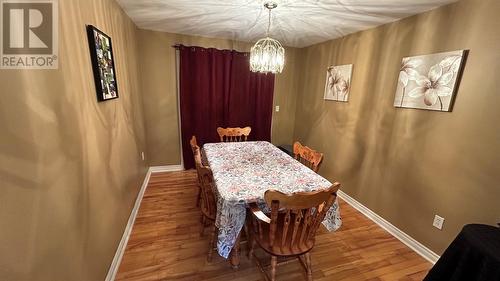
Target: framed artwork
x,y
430,81
103,64
338,82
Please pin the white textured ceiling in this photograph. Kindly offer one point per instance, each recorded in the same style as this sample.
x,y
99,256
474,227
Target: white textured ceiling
x,y
296,23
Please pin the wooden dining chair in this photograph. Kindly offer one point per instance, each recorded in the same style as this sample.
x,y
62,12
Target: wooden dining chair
x,y
193,143
194,146
233,134
208,201
290,230
307,156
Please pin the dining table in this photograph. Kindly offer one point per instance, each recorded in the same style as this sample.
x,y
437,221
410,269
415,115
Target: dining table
x,y
243,172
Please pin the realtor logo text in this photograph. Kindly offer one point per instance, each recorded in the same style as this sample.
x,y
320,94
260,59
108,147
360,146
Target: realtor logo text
x,y
29,34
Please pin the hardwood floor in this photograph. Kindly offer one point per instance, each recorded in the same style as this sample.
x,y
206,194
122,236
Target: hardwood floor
x,y
165,244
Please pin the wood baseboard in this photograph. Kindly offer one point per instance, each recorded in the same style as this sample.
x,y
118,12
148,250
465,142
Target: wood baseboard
x,y
416,246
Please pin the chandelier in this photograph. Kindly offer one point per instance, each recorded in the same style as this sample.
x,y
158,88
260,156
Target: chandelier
x,y
267,55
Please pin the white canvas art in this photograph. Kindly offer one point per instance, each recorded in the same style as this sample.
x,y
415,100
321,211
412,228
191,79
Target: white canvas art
x,y
338,82
429,81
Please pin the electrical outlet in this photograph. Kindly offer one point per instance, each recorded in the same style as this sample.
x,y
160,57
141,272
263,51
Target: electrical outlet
x,y
277,108
438,222
142,155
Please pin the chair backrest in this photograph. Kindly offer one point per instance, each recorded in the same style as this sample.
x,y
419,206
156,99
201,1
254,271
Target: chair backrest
x,y
297,217
307,156
234,134
193,143
206,180
195,149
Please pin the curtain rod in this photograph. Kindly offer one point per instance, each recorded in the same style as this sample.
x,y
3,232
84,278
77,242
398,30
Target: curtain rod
x,y
177,46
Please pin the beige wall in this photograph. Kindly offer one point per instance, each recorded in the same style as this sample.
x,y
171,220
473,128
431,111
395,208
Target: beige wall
x,y
406,164
70,167
158,75
285,95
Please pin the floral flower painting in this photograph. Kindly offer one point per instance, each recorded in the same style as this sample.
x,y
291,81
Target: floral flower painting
x,y
338,82
429,81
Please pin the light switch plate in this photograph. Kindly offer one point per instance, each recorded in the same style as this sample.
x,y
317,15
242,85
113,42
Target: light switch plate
x,y
142,155
438,222
277,108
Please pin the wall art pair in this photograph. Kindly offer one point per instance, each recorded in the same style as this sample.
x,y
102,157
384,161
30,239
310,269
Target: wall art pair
x,y
425,82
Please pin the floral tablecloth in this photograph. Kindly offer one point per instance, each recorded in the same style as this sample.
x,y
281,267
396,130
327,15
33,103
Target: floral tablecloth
x,y
243,171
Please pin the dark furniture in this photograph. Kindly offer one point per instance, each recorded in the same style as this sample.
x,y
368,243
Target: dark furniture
x,y
474,255
286,148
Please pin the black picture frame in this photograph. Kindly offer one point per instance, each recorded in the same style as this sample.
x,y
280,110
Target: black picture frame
x,y
103,64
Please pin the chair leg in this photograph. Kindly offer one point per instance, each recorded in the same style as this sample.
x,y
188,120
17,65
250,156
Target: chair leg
x,y
274,262
248,237
211,244
309,267
251,247
198,198
235,254
203,222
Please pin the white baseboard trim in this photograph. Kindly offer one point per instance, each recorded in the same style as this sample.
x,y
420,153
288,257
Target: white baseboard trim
x,y
416,246
169,168
113,269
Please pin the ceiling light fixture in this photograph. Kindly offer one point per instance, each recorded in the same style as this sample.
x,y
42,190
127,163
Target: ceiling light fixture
x,y
267,55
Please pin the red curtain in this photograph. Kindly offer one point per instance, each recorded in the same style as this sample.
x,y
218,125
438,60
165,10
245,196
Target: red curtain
x,y
217,89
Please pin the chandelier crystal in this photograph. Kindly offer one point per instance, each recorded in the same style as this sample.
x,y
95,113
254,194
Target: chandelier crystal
x,y
267,55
